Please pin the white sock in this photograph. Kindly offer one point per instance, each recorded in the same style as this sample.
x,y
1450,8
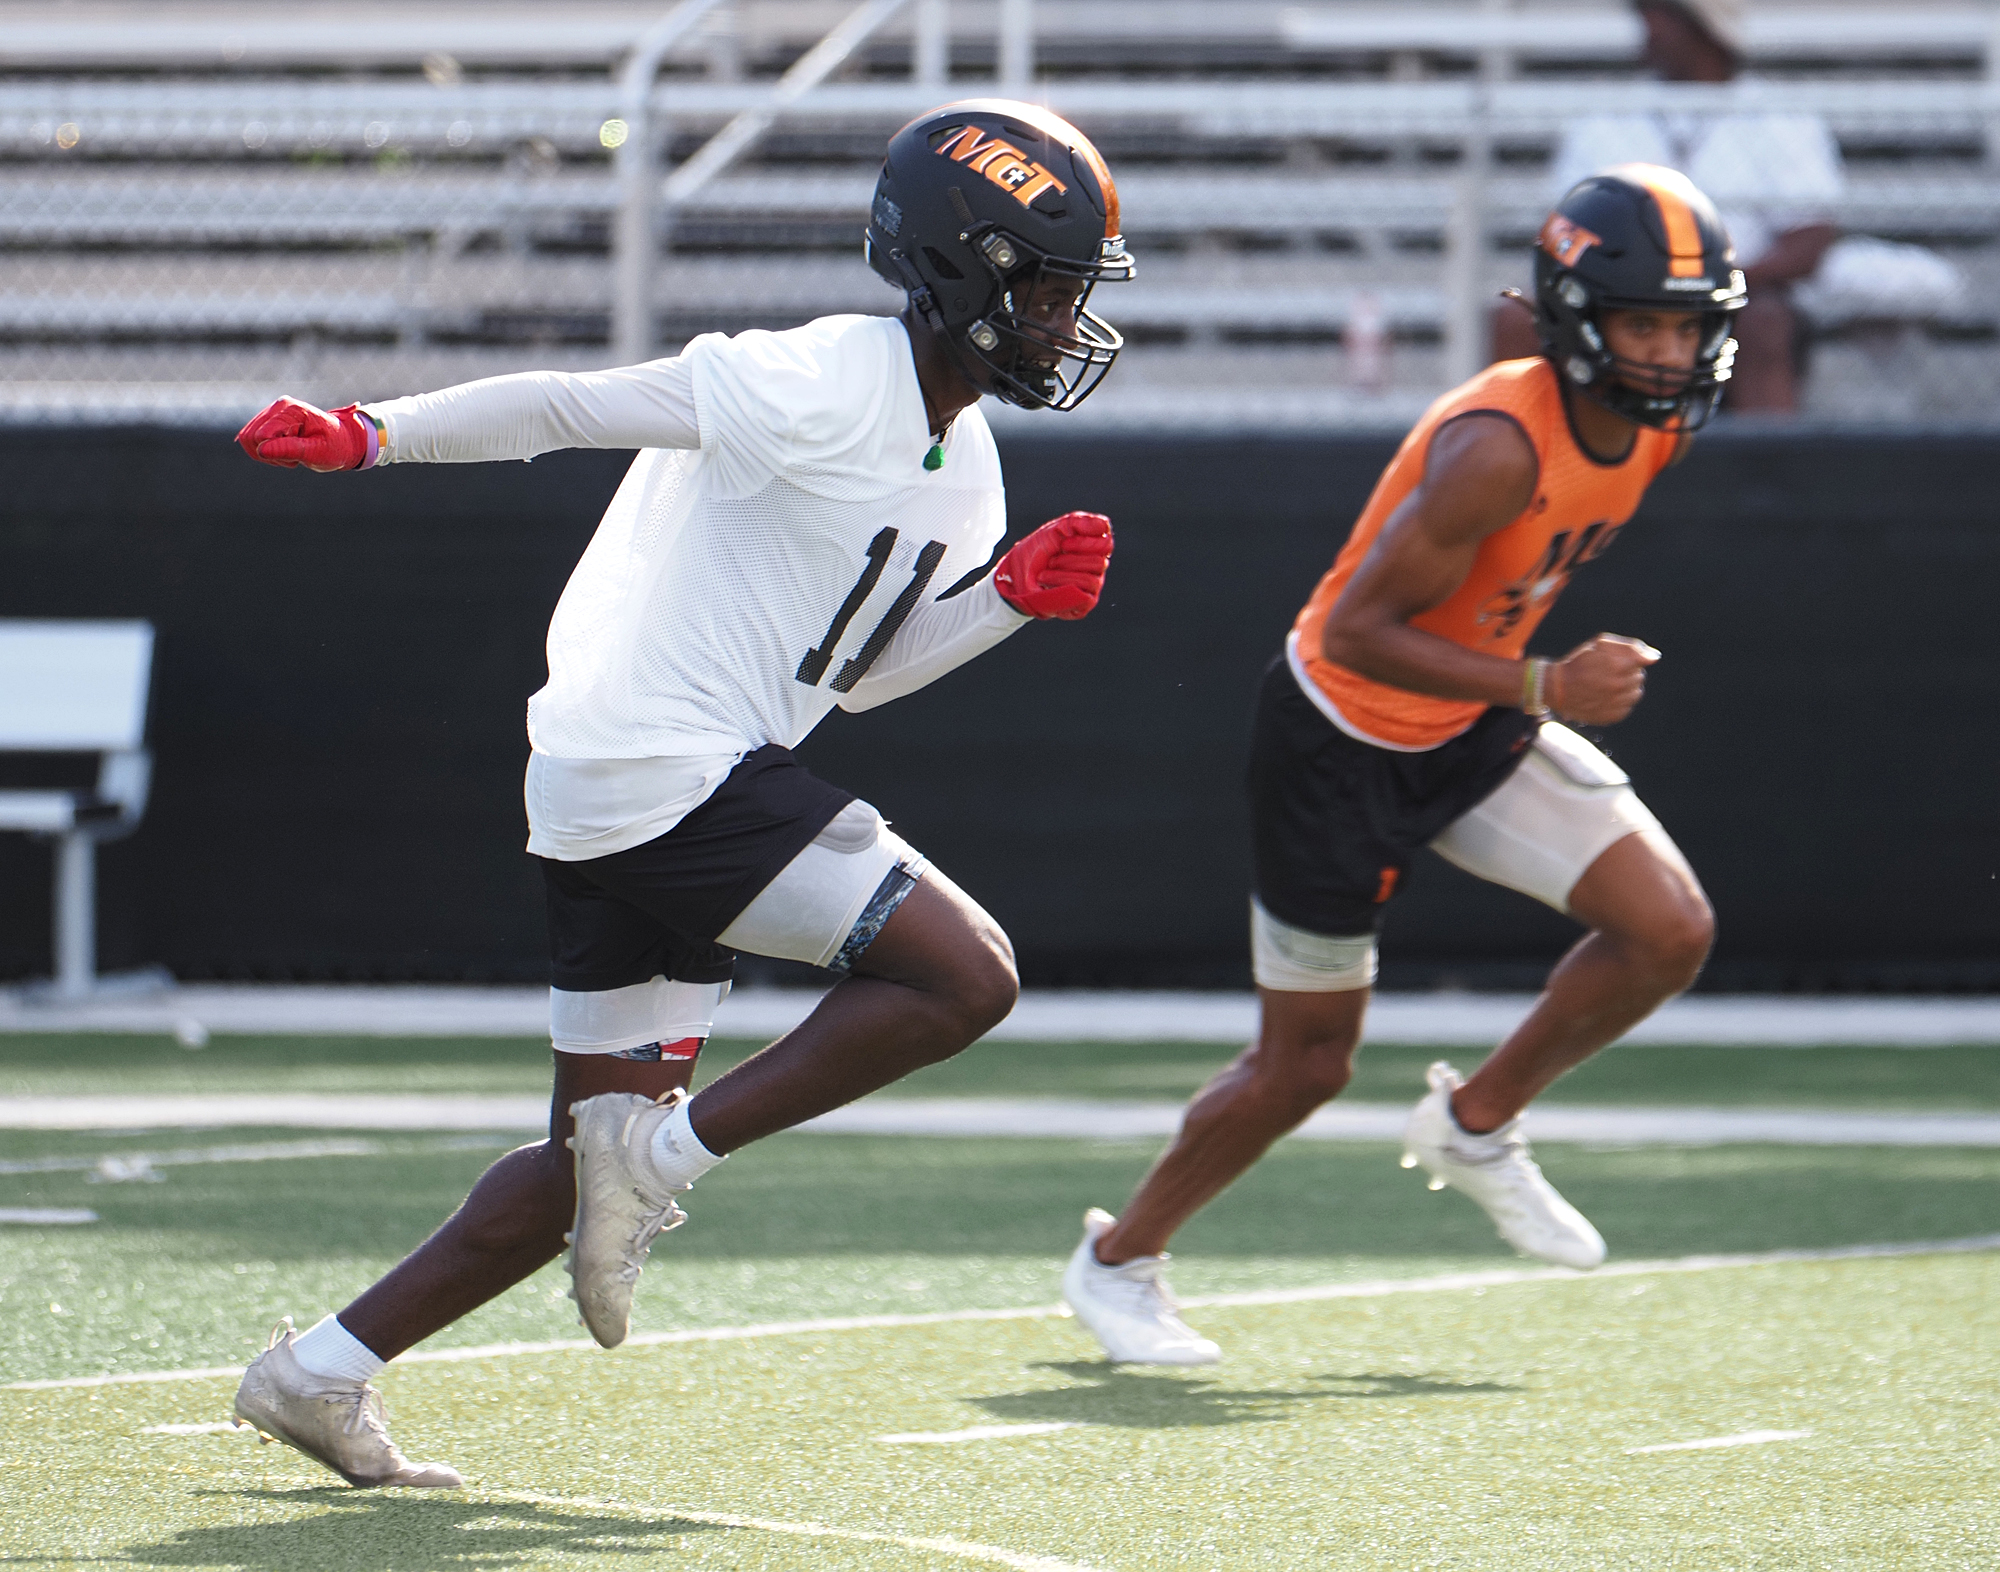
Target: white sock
x,y
330,1350
678,1156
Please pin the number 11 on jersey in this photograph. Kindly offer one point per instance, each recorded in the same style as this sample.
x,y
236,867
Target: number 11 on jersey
x,y
813,667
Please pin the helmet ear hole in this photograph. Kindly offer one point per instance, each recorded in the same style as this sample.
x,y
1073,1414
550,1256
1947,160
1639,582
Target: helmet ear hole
x,y
941,264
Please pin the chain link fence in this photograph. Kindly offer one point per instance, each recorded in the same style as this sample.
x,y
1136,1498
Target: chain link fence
x,y
1317,247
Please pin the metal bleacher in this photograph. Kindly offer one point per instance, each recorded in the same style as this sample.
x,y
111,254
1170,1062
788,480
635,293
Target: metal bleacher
x,y
203,205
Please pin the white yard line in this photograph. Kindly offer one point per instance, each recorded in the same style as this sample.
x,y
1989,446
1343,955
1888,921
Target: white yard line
x,y
121,1165
963,1549
977,1433
1445,1019
297,1111
1115,1119
47,1216
1748,1438
116,1166
1055,1117
1451,1282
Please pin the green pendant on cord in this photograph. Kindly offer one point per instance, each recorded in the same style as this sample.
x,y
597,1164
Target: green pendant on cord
x,y
935,458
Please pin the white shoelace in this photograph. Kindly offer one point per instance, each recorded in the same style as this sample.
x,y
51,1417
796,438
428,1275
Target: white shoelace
x,y
1509,1161
1516,1161
653,1223
365,1412
1145,1296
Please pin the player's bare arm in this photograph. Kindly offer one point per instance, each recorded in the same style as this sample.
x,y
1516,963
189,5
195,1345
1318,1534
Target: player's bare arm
x,y
1479,476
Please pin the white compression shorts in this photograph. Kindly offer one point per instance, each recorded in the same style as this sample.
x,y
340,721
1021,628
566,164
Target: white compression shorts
x,y
1562,809
1550,820
824,907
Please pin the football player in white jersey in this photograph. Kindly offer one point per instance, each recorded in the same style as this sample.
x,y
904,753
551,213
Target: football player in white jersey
x,y
808,524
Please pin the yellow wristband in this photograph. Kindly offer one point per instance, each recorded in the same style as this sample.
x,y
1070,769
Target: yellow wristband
x,y
1534,679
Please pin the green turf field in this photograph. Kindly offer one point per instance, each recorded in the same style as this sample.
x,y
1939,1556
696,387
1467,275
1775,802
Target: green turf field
x,y
1477,1426
193,1270
1883,1078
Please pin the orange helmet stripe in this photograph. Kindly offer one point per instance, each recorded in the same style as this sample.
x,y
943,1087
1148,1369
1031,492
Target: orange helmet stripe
x,y
1104,183
1056,128
1060,130
1670,190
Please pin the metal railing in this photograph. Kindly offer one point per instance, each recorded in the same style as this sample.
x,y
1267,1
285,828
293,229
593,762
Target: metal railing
x,y
267,226
514,33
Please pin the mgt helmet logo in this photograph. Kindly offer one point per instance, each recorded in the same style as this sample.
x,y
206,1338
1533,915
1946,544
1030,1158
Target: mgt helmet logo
x,y
1567,241
1008,167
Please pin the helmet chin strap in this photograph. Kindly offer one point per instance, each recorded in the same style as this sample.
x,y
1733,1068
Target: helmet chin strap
x,y
925,300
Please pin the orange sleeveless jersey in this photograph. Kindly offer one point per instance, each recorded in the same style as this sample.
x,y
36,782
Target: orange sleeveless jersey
x,y
1578,509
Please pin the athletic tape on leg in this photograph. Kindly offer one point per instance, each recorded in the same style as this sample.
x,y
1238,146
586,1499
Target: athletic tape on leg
x,y
1295,960
889,894
830,901
641,1016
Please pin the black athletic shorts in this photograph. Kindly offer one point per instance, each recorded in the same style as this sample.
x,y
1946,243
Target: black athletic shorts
x,y
1335,821
654,910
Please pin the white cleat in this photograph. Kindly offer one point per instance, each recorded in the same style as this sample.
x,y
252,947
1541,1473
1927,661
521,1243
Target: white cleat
x,y
332,1421
618,1212
1128,1307
1498,1171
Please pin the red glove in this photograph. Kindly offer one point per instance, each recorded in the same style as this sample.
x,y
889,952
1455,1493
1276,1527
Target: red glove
x,y
289,434
1058,571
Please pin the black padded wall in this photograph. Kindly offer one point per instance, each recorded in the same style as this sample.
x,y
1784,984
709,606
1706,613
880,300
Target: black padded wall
x,y
343,662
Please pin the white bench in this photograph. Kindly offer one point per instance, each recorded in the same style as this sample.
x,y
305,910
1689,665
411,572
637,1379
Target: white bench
x,y
78,687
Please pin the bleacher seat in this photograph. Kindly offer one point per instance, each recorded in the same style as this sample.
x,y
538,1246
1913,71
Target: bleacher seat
x,y
324,219
66,688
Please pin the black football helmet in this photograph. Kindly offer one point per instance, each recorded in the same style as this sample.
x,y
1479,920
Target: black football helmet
x,y
979,206
1638,236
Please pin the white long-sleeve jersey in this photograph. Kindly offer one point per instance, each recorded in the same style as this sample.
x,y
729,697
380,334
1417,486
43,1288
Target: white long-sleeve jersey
x,y
777,548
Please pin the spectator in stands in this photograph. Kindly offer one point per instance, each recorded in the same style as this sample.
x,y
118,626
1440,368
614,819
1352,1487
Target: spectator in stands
x,y
1775,178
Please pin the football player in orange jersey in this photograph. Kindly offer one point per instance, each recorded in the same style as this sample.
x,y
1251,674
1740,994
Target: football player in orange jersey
x,y
1406,712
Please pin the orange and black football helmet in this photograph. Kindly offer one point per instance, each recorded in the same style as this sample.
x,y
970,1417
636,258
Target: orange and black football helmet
x,y
1638,237
980,206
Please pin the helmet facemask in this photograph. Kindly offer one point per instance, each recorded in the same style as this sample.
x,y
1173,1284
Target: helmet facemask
x,y
1667,398
1024,359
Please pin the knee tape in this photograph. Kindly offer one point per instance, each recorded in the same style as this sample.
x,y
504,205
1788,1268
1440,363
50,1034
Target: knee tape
x,y
615,1020
1296,960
